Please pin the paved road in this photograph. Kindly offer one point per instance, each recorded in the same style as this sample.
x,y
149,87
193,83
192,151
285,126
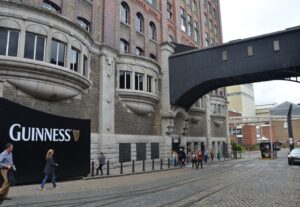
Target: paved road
x,y
244,182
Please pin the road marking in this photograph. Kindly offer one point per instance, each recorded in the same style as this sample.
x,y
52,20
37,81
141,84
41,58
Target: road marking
x,y
215,165
237,165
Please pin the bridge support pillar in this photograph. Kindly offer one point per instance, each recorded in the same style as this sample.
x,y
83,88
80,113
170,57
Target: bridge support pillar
x,y
167,122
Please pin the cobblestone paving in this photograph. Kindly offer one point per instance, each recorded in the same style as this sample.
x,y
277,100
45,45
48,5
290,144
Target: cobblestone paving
x,y
245,182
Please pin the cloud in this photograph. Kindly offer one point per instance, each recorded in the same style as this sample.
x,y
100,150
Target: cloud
x,y
247,18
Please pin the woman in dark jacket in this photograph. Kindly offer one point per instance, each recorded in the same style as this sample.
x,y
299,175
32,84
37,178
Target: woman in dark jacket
x,y
49,169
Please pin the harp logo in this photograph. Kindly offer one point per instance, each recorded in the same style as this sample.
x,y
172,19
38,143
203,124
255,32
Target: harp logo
x,y
76,134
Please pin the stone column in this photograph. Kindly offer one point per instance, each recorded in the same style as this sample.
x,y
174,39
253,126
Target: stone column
x,y
107,139
208,123
227,129
166,50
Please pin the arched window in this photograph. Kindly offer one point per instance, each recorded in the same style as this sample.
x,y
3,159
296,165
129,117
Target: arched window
x,y
51,6
152,56
139,51
170,38
139,23
152,31
124,46
124,13
85,24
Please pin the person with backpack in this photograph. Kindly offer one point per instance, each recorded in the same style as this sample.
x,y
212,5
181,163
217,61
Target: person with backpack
x,y
205,156
101,163
199,159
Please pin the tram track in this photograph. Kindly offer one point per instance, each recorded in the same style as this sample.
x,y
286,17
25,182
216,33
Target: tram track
x,y
107,200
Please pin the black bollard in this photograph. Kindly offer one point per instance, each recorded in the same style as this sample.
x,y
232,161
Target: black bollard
x,y
133,166
107,173
169,163
152,164
121,168
143,165
93,168
161,163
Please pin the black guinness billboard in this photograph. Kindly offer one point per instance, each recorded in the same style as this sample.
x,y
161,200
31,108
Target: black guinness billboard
x,y
33,132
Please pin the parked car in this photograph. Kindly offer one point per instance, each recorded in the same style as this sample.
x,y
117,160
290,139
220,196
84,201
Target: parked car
x,y
294,156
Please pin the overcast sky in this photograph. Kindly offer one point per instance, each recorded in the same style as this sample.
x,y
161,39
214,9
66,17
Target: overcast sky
x,y
246,18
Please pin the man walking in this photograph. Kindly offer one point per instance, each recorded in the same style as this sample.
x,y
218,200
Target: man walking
x,y
101,162
199,158
6,164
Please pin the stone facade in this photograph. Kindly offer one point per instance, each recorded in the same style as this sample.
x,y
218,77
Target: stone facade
x,y
121,79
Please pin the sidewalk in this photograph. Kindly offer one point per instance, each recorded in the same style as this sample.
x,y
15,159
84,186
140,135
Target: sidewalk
x,y
138,169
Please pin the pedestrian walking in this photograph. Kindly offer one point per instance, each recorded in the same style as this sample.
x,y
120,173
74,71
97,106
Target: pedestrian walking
x,y
6,165
49,170
219,155
212,154
205,156
181,157
174,158
101,163
194,159
199,159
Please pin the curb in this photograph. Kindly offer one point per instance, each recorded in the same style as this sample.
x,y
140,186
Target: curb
x,y
150,171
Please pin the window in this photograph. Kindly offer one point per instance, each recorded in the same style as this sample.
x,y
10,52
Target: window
x,y
34,46
124,13
85,66
182,19
124,46
125,80
152,31
169,9
205,19
189,27
194,6
216,30
85,24
50,6
170,38
219,109
211,41
210,24
9,41
152,2
196,31
139,51
188,2
139,23
139,81
58,53
74,59
152,56
206,40
149,83
209,7
214,14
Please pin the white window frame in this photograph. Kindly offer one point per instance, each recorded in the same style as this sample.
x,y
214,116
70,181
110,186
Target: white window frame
x,y
72,58
124,46
125,79
149,84
8,40
140,77
57,52
34,48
